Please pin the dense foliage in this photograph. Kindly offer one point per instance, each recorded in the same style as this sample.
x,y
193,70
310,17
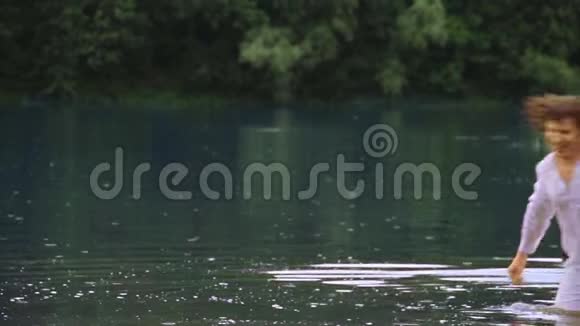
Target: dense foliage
x,y
291,47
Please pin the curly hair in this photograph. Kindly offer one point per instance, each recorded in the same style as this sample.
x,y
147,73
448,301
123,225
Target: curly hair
x,y
540,109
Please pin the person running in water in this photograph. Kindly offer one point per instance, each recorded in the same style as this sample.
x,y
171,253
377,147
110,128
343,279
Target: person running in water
x,y
556,193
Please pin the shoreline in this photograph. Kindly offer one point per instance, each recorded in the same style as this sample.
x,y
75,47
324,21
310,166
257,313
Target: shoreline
x,y
152,98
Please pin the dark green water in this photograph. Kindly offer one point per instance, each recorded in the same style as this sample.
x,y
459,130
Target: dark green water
x,y
68,257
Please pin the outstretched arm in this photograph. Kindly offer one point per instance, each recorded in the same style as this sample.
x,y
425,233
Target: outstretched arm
x,y
539,212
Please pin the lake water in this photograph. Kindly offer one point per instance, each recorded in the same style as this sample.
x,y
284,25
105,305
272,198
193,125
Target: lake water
x,y
160,252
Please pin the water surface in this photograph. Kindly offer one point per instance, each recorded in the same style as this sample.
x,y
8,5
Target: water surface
x,y
68,257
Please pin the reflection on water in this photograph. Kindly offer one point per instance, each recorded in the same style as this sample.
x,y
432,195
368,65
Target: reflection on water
x,y
540,312
433,279
70,258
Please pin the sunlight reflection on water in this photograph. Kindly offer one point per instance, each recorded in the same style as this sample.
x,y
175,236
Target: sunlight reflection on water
x,y
412,277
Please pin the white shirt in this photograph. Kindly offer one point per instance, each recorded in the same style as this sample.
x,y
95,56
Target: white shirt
x,y
552,196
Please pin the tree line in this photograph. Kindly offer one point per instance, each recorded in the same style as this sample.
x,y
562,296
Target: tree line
x,y
285,48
